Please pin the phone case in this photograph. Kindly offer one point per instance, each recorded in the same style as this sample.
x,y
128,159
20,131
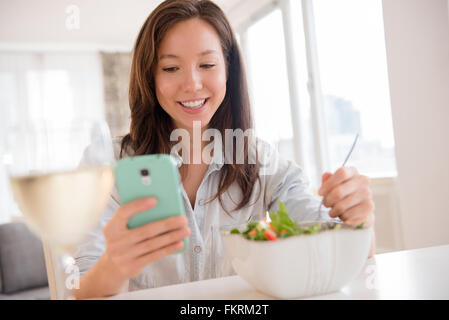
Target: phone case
x,y
161,180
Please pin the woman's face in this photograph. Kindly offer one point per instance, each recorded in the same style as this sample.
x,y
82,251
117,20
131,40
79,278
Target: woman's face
x,y
191,73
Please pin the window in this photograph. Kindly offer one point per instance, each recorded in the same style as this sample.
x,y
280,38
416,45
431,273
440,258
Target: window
x,y
265,53
340,50
354,84
37,86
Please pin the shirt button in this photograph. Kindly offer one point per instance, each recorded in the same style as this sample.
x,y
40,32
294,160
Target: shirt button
x,y
197,249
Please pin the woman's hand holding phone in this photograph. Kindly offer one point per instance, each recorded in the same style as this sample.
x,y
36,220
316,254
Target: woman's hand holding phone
x,y
130,250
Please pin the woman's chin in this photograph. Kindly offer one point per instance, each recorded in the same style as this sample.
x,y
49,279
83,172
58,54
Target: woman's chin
x,y
191,124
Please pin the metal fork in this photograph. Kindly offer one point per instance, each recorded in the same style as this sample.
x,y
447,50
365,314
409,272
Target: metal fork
x,y
344,163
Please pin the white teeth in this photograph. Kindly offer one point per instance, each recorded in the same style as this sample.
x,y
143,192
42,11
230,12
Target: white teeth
x,y
193,104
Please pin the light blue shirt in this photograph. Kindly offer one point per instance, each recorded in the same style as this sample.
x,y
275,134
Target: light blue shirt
x,y
205,257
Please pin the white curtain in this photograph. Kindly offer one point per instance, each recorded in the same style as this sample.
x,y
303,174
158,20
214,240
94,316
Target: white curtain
x,y
53,85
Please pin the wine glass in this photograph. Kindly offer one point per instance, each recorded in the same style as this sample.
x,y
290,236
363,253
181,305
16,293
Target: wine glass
x,y
61,175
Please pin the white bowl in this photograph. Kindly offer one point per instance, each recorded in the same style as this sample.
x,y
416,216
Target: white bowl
x,y
299,266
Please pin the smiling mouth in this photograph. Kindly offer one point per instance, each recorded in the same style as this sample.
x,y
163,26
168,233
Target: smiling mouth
x,y
193,104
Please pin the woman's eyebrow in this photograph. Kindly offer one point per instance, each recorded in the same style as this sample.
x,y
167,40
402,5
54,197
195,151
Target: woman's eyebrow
x,y
166,56
204,53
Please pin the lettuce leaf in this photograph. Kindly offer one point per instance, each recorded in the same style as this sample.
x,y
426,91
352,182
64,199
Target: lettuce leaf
x,y
281,221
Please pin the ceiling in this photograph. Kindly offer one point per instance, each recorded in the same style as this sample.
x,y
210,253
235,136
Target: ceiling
x,y
103,23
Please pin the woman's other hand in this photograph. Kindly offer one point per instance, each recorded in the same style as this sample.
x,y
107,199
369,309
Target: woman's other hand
x,y
349,196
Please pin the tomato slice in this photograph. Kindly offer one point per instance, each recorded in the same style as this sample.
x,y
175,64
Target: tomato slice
x,y
270,236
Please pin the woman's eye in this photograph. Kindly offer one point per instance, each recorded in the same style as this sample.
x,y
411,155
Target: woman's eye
x,y
170,69
207,66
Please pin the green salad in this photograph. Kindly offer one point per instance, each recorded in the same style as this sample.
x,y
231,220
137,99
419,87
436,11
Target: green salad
x,y
281,226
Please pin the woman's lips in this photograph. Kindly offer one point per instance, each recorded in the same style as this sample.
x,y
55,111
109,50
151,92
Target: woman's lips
x,y
196,110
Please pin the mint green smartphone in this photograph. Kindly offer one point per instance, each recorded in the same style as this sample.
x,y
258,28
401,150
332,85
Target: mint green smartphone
x,y
150,175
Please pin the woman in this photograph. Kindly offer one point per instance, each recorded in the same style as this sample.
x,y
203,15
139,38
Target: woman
x,y
187,70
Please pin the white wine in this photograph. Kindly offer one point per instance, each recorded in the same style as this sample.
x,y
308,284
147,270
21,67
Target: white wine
x,y
62,207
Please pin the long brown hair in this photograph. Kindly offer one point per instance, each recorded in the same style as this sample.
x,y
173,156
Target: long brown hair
x,y
151,126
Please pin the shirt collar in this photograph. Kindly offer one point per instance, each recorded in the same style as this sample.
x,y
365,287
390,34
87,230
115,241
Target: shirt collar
x,y
217,160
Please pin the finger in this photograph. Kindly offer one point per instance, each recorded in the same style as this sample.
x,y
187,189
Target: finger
x,y
356,184
131,208
353,199
324,177
358,212
155,228
367,221
341,175
356,221
152,244
160,253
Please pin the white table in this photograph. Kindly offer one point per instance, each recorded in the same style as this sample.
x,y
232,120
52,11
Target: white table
x,y
411,274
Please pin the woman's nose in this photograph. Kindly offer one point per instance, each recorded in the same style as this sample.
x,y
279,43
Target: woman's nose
x,y
193,81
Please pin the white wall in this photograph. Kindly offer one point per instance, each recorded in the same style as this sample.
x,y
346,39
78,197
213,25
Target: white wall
x,y
102,22
417,43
